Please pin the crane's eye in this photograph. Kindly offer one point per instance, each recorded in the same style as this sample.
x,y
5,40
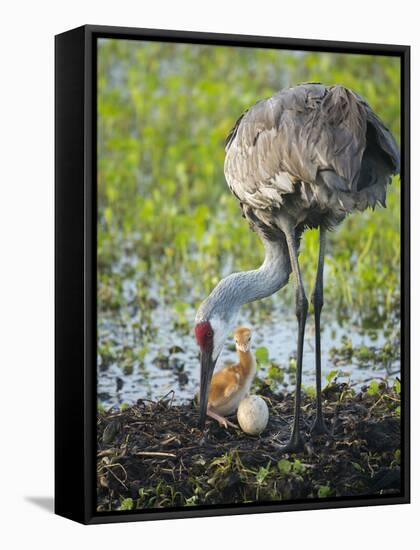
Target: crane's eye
x,y
208,334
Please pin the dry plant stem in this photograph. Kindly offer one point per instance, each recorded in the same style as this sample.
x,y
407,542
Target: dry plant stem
x,y
155,453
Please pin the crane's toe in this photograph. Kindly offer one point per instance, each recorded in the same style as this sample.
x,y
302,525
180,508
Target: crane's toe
x,y
296,444
319,427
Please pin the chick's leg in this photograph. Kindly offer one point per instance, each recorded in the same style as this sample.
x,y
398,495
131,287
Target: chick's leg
x,y
220,419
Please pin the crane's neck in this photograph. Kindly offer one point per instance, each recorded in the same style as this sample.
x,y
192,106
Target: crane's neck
x,y
240,288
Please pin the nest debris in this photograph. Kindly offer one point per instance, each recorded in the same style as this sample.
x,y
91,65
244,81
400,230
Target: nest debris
x,y
152,454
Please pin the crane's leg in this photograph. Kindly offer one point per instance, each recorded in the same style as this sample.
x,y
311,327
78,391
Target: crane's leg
x,y
318,301
296,442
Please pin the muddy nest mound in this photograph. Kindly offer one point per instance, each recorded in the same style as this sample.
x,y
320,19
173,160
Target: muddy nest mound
x,y
152,455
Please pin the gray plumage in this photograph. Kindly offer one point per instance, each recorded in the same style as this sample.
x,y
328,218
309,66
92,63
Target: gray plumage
x,y
312,153
246,286
317,152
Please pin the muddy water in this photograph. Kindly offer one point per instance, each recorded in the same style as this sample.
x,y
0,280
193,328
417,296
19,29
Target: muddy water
x,y
171,360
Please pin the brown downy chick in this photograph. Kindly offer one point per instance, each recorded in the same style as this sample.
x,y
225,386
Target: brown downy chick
x,y
232,383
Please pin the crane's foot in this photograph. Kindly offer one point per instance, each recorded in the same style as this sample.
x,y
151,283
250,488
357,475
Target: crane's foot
x,y
319,427
296,444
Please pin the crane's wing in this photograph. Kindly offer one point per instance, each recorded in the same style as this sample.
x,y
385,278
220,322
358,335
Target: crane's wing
x,y
312,134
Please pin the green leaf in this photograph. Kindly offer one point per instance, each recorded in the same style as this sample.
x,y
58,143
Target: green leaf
x,y
373,388
276,373
108,214
191,501
332,374
324,491
397,386
357,466
262,355
310,391
298,467
284,466
292,364
263,473
126,504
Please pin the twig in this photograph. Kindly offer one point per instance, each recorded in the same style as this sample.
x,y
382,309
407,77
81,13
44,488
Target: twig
x,y
116,477
156,453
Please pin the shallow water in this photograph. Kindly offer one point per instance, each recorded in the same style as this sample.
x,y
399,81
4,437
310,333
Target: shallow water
x,y
171,361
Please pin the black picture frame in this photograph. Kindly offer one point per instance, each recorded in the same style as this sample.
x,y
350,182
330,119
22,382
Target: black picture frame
x,y
75,270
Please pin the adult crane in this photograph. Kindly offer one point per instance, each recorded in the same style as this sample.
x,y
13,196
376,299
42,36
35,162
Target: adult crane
x,y
303,158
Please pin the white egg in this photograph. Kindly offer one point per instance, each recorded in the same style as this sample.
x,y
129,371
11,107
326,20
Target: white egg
x,y
253,414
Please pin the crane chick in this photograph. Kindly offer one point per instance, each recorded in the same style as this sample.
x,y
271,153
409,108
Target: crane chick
x,y
232,383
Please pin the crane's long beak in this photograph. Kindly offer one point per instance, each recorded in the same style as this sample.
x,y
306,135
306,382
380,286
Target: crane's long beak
x,y
207,367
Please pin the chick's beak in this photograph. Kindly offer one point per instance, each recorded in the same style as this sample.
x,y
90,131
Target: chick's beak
x,y
207,367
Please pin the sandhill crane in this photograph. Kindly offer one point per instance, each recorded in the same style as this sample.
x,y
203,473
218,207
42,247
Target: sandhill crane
x,y
303,158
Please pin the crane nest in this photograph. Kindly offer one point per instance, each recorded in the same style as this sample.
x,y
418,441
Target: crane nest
x,y
152,455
